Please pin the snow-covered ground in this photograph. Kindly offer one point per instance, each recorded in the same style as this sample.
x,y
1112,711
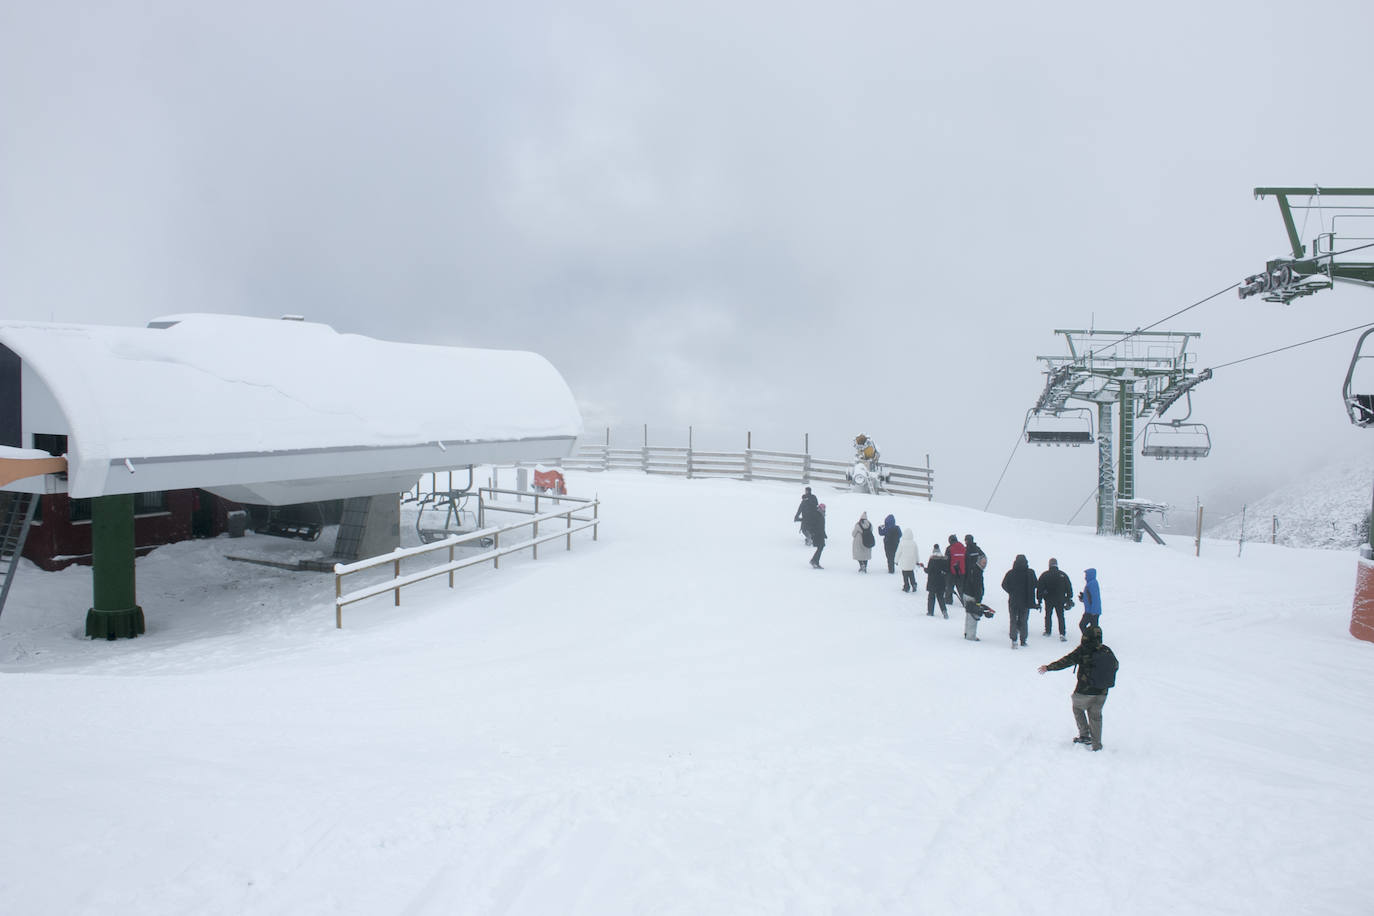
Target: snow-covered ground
x,y
683,717
1324,508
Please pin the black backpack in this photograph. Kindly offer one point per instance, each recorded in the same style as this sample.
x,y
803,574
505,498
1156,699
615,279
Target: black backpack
x,y
866,535
1102,667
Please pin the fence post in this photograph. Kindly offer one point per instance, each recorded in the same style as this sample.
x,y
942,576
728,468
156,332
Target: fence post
x,y
1274,535
689,453
644,460
338,608
1197,542
450,572
569,518
596,516
398,588
606,452
534,547
749,464
806,468
496,545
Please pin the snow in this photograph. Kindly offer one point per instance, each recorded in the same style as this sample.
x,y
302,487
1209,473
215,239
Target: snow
x,y
211,385
683,717
1324,508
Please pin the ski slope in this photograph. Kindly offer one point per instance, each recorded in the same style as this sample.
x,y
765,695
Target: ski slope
x,y
683,717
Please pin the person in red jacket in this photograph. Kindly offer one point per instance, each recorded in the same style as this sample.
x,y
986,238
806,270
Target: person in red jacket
x,y
955,556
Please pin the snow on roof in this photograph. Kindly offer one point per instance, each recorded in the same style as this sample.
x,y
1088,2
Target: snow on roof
x,y
220,385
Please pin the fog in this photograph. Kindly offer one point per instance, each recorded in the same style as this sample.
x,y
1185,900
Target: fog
x,y
786,219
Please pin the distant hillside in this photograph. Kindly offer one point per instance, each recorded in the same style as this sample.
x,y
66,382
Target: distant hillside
x,y
1326,509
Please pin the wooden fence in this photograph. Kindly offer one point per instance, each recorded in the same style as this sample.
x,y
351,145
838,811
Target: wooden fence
x,y
484,537
750,464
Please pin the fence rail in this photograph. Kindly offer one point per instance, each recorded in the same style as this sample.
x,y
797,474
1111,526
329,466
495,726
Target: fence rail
x,y
573,523
750,464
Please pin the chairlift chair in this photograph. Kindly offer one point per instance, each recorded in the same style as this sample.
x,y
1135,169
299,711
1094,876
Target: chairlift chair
x,y
1066,426
1175,439
1360,407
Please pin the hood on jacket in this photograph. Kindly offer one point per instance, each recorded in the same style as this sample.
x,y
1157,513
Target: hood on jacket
x,y
890,521
1020,562
1090,575
1092,636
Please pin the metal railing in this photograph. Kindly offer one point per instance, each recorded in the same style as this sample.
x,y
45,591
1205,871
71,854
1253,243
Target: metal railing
x,y
750,464
482,537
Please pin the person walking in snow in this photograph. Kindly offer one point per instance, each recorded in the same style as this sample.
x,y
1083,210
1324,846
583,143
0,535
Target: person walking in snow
x,y
892,537
974,612
1055,591
813,523
1091,597
1087,699
808,499
1019,584
863,541
955,577
908,558
937,576
975,561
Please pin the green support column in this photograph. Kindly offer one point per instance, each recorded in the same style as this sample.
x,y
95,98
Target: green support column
x,y
115,612
1125,459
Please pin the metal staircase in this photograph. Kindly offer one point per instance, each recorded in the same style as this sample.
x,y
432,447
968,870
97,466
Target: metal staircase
x,y
16,514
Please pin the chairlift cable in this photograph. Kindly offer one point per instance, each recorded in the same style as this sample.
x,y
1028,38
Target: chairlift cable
x,y
1156,324
1358,327
1004,472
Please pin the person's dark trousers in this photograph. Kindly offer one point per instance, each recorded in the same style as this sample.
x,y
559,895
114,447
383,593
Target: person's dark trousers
x,y
1052,610
1089,619
931,598
909,580
891,559
816,557
1019,620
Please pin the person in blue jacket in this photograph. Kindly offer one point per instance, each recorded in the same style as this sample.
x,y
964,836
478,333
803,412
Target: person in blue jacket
x,y
1091,598
892,536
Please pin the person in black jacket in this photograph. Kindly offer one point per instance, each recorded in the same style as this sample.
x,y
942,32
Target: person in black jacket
x,y
808,499
937,572
1055,591
813,523
1019,584
974,562
1087,700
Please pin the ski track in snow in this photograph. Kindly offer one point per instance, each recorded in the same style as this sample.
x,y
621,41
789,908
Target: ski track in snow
x,y
684,718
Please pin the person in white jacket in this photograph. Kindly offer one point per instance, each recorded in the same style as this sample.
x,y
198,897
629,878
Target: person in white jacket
x,y
908,555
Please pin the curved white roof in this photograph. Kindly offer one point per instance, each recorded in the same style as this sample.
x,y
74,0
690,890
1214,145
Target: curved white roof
x,y
219,402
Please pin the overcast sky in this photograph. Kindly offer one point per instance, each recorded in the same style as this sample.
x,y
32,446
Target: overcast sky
x,y
788,218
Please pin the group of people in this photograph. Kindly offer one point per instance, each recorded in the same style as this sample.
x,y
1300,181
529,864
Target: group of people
x,y
958,569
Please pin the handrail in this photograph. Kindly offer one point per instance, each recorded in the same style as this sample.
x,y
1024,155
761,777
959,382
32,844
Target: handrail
x,y
399,581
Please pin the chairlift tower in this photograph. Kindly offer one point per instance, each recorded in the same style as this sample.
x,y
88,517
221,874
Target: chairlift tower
x,y
1126,376
1337,254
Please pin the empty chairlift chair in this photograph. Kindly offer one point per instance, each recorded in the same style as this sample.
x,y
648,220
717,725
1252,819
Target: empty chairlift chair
x,y
1359,392
1067,426
1176,439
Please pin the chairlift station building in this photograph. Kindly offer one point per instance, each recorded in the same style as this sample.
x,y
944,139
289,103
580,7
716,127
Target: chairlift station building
x,y
255,411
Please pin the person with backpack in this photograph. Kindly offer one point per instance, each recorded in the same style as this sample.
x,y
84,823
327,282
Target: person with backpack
x,y
1019,584
863,541
908,558
1055,591
937,581
892,538
955,575
1091,596
1097,668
